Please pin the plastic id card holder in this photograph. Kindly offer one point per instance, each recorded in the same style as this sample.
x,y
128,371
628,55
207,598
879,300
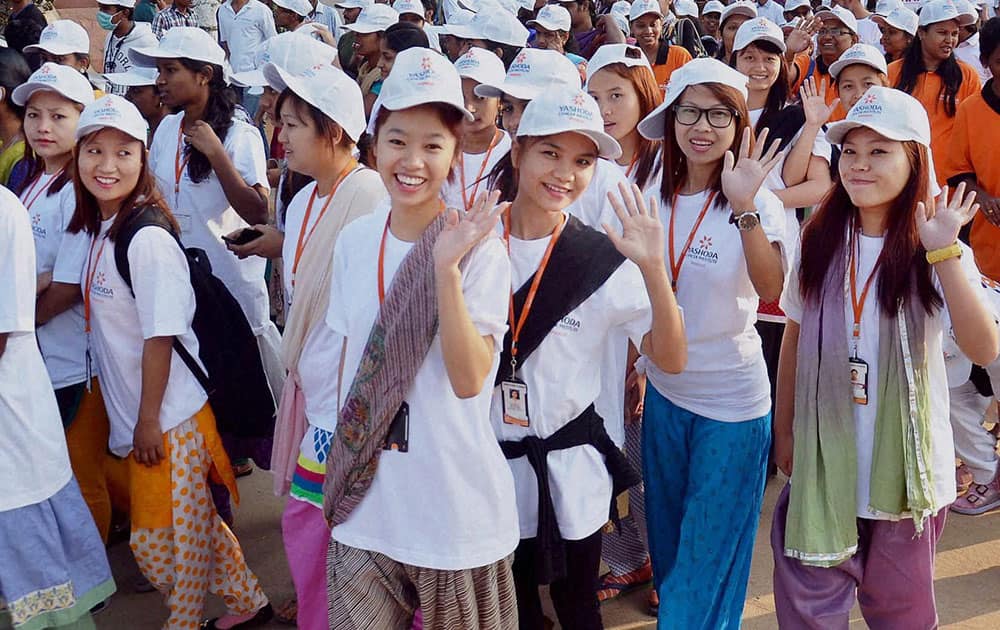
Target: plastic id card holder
x,y
514,395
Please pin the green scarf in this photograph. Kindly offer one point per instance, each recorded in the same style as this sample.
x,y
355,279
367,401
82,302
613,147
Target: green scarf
x,y
821,529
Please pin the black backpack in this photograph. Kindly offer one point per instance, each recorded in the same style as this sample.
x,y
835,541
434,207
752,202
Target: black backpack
x,y
236,383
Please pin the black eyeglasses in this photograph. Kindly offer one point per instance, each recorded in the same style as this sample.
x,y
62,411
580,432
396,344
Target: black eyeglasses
x,y
834,32
718,117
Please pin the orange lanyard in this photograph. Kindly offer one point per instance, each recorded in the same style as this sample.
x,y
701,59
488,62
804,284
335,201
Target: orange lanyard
x,y
468,201
303,236
859,304
675,262
631,166
91,271
381,258
28,199
515,330
179,165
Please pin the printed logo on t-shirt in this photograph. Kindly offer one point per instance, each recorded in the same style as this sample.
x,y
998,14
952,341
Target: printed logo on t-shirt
x,y
100,288
703,251
569,324
36,226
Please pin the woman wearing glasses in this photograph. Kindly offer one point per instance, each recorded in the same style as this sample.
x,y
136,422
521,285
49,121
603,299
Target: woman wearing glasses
x,y
706,431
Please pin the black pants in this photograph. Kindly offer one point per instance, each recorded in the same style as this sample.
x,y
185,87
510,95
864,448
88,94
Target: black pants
x,y
574,597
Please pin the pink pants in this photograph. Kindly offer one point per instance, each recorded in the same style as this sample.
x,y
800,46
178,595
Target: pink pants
x,y
306,537
891,575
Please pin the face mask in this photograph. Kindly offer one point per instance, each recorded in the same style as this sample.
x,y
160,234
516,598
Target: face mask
x,y
106,21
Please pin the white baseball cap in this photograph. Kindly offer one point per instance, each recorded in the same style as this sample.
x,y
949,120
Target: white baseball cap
x,y
888,112
456,16
299,7
758,29
967,12
420,76
792,5
640,8
180,42
532,72
713,6
62,37
741,7
902,18
133,77
841,14
128,4
942,11
494,26
326,88
859,53
682,8
374,18
885,7
64,80
570,110
293,51
112,110
409,6
624,54
351,4
480,65
623,7
552,17
695,72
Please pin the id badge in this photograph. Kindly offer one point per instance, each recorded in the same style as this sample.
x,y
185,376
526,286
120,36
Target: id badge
x,y
398,438
859,380
514,395
184,222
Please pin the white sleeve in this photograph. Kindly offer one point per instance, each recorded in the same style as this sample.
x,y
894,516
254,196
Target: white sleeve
x,y
267,23
486,287
161,280
17,267
73,248
791,296
773,220
246,149
822,148
336,310
632,310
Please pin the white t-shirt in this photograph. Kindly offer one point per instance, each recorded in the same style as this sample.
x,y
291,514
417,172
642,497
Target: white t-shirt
x,y
163,306
942,464
772,11
592,207
726,377
449,502
116,52
476,166
968,51
61,339
564,376
204,214
34,464
245,31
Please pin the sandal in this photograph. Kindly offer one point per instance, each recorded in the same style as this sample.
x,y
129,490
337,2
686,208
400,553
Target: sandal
x,y
242,468
963,479
611,586
263,616
980,498
287,612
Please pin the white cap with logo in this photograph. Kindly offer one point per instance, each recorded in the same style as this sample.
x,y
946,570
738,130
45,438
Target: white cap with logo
x,y
888,112
901,18
480,65
420,76
565,110
685,8
293,51
533,71
859,54
552,17
374,18
843,15
63,80
942,11
134,77
414,7
494,26
642,7
741,7
62,37
758,29
114,111
326,88
181,42
299,7
695,72
713,6
608,54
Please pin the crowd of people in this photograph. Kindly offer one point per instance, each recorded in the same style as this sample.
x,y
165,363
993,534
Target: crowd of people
x,y
500,292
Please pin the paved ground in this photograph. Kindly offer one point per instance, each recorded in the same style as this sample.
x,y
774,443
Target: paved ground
x,y
968,572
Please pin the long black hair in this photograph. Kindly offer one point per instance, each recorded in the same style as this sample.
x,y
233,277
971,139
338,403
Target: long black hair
x,y
218,114
913,66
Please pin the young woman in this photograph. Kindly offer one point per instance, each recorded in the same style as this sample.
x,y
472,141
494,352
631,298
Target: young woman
x,y
622,83
210,165
732,18
394,40
160,418
497,31
859,68
53,98
484,144
899,28
839,32
367,30
646,24
14,71
706,430
565,320
862,385
930,73
420,295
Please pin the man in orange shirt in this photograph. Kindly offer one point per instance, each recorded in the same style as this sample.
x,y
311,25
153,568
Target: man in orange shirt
x,y
646,24
972,155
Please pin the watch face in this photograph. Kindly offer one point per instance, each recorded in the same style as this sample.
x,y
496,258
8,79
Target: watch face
x,y
747,221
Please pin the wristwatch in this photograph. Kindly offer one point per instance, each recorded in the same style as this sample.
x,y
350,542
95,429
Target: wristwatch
x,y
746,221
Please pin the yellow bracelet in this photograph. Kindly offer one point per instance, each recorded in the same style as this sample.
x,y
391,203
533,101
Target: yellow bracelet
x,y
937,255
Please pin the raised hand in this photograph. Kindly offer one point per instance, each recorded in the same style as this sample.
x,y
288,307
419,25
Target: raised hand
x,y
461,233
939,227
641,240
201,136
801,37
814,102
743,176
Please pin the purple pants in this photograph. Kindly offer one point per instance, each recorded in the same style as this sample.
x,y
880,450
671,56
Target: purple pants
x,y
306,536
892,576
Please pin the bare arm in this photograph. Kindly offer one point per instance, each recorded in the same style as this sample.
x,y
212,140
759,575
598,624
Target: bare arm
x,y
468,356
811,190
974,327
784,399
59,297
148,437
665,343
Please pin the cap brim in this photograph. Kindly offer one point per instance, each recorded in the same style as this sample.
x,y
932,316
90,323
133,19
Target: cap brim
x,y
549,26
839,130
363,28
652,127
54,49
405,101
840,64
87,129
741,10
128,79
777,41
147,57
522,92
26,90
658,14
250,78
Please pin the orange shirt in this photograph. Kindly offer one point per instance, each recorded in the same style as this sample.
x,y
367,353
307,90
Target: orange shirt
x,y
972,148
928,92
677,56
801,61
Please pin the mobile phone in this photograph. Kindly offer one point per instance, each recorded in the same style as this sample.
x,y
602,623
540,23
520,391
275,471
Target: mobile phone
x,y
244,237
